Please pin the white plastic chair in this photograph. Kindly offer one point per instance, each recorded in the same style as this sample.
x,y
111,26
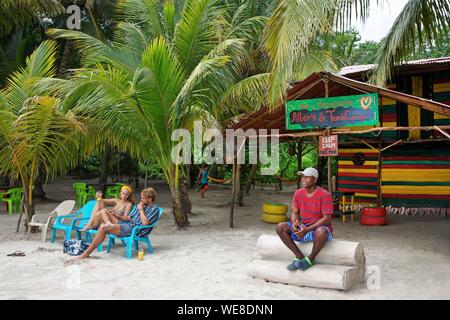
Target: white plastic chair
x,y
63,209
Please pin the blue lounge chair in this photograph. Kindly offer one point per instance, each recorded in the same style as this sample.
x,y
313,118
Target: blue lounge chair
x,y
84,212
128,241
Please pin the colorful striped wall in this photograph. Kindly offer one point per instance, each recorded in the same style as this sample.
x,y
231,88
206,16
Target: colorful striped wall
x,y
441,93
414,119
360,179
389,115
418,177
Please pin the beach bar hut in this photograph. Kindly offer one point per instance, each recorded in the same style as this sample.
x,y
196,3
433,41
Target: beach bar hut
x,y
393,141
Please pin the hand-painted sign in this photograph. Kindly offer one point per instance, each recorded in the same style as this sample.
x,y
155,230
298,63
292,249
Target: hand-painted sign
x,y
328,146
346,111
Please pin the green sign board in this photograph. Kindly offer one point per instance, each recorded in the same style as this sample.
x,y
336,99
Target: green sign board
x,y
346,111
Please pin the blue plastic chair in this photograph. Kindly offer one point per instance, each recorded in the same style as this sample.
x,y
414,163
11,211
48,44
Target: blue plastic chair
x,y
90,233
84,212
128,241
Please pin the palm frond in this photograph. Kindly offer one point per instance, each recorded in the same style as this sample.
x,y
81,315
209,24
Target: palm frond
x,y
40,64
294,26
147,13
19,13
157,86
289,33
193,33
208,67
422,22
246,96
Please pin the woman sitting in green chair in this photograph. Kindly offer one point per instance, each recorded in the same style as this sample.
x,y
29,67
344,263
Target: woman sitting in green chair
x,y
120,212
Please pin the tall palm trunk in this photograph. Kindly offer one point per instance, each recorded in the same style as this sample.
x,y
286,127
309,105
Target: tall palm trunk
x,y
181,219
65,59
186,204
240,193
188,182
38,191
27,206
4,180
103,180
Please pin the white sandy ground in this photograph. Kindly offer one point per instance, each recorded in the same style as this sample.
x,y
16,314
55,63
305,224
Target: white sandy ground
x,y
208,260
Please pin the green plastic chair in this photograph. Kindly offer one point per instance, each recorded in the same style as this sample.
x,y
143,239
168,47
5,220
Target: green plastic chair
x,y
113,191
80,193
90,193
13,197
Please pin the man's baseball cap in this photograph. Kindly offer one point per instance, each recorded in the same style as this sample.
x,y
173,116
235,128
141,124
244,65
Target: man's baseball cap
x,y
309,172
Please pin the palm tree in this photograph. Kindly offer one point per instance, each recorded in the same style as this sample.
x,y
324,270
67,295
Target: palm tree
x,y
19,13
295,24
34,133
170,64
421,23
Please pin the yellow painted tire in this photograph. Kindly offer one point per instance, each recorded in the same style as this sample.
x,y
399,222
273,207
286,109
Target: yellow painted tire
x,y
275,208
273,218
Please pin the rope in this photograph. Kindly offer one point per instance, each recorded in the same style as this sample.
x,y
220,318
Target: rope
x,y
219,180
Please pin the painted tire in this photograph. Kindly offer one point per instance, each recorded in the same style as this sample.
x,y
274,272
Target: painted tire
x,y
273,218
275,208
373,221
373,212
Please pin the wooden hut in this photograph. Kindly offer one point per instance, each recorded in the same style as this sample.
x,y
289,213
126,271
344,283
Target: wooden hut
x,y
403,161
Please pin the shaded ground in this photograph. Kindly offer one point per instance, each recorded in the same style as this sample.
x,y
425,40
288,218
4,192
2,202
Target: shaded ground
x,y
207,260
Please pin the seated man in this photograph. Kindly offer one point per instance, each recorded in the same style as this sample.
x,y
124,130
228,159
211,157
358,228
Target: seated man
x,y
315,207
147,212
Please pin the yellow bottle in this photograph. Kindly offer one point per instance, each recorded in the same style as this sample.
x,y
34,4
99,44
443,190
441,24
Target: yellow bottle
x,y
141,254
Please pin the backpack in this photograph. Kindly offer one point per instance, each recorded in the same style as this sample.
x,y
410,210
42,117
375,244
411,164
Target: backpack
x,y
75,247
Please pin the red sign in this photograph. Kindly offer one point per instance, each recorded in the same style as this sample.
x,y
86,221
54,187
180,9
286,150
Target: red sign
x,y
328,146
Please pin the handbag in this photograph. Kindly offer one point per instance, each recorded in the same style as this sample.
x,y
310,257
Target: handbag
x,y
75,247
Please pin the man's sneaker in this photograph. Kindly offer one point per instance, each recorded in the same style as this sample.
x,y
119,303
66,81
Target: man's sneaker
x,y
294,265
304,264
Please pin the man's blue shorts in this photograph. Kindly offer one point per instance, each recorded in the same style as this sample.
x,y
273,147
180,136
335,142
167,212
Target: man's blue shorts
x,y
309,236
125,229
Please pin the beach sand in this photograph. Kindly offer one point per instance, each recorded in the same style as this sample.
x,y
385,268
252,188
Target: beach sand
x,y
208,259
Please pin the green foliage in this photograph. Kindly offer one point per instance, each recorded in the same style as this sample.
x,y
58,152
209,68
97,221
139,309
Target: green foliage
x,y
421,23
16,14
35,135
153,170
435,50
347,49
91,165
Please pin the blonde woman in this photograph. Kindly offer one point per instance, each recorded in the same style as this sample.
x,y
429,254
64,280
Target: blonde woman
x,y
147,213
120,212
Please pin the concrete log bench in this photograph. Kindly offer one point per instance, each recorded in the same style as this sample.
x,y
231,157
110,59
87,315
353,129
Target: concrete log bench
x,y
340,264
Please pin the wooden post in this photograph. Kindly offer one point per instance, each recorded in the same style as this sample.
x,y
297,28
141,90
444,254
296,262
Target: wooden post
x,y
251,179
239,192
329,166
233,193
329,175
380,164
299,160
380,159
328,133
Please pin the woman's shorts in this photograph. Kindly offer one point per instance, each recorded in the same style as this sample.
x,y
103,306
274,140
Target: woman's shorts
x,y
204,186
